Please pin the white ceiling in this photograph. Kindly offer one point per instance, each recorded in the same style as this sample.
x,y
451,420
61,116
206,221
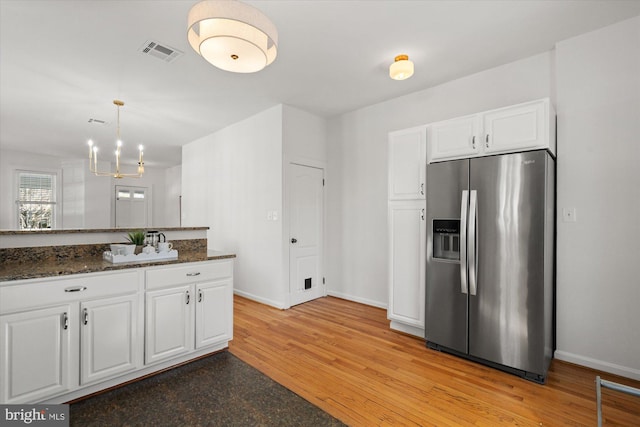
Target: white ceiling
x,y
64,62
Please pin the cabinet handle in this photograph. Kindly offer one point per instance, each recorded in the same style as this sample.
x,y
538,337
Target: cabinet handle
x,y
473,142
422,188
200,296
86,316
422,213
76,289
486,140
188,297
197,273
65,320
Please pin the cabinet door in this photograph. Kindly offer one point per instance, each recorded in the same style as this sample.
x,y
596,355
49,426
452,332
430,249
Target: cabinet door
x,y
35,353
454,139
523,126
168,331
407,238
407,162
214,312
108,338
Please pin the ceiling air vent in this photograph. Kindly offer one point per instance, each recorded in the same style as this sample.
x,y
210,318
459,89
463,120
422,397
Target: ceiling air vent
x,y
164,52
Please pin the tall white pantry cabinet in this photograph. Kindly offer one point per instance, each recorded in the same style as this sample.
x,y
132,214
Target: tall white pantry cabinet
x,y
407,229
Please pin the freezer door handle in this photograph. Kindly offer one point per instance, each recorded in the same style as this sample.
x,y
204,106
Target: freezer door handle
x,y
473,242
463,241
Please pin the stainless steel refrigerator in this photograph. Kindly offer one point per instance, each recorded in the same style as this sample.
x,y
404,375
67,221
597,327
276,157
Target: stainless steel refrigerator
x,y
490,260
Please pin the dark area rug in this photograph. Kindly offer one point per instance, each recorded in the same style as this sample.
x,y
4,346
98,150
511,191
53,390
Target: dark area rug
x,y
219,390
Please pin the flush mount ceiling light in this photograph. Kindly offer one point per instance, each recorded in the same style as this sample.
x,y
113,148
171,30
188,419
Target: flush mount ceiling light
x,y
232,36
93,154
401,69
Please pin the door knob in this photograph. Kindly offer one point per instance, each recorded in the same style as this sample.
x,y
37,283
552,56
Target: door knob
x,y
294,240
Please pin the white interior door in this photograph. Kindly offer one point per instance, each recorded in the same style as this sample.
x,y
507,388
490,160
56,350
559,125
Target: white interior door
x,y
131,207
306,205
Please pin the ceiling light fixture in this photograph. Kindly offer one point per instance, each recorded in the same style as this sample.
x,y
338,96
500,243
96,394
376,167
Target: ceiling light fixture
x,y
401,69
93,154
232,36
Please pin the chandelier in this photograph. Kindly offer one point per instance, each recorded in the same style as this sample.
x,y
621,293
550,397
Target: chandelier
x,y
232,35
93,154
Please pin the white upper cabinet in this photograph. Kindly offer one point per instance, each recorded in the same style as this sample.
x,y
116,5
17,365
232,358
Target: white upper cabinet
x,y
454,138
520,127
407,163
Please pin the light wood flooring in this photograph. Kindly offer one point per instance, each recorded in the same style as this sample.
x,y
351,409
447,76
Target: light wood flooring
x,y
342,357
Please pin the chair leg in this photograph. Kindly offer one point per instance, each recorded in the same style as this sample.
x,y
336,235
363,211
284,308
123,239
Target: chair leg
x,y
599,401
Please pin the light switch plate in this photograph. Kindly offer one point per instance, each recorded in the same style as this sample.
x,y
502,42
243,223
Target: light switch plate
x,y
569,214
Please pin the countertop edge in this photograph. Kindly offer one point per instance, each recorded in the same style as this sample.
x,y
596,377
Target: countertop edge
x,y
99,266
94,230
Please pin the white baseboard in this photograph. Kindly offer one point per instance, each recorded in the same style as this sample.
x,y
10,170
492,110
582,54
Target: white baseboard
x,y
600,365
276,304
357,299
407,329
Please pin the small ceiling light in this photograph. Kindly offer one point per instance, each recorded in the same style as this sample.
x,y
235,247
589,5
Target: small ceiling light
x,y
232,36
401,69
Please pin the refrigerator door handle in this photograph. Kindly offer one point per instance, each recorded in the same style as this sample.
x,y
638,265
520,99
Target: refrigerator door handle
x,y
463,241
473,243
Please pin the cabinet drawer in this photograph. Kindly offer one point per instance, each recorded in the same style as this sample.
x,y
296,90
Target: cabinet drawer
x,y
192,273
72,288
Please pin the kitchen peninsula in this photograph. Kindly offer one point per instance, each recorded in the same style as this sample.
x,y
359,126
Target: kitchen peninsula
x,y
72,324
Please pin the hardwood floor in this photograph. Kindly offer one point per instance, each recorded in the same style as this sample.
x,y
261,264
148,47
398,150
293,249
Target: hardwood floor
x,y
342,357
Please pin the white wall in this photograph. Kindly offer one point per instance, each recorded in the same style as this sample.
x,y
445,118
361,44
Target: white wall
x,y
85,200
304,136
357,163
233,178
598,286
230,180
173,190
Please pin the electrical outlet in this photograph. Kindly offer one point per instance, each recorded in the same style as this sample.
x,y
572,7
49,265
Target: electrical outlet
x,y
269,215
275,215
569,214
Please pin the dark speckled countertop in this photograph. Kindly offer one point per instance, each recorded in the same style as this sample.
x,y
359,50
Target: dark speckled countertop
x,y
50,267
90,230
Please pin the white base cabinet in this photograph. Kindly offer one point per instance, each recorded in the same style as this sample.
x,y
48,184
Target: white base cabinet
x,y
60,334
188,308
65,337
526,126
35,354
109,338
168,323
407,235
214,314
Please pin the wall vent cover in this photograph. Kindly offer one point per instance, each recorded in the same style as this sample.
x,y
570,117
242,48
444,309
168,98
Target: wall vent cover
x,y
160,51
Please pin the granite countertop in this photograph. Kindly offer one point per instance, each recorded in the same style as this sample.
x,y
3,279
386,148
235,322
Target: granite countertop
x,y
93,230
54,268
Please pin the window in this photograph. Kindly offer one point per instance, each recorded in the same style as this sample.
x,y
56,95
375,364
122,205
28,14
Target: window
x,y
36,200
